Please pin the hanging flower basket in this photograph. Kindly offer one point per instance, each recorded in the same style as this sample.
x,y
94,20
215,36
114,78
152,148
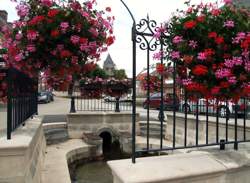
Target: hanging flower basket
x,y
210,46
91,88
117,88
57,38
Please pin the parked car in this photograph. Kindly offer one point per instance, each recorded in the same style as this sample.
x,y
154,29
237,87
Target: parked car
x,y
45,97
225,109
168,102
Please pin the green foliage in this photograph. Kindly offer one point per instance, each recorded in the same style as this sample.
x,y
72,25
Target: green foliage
x,y
120,74
98,72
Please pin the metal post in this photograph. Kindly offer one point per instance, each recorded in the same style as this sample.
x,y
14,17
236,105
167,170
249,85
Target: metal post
x,y
9,105
133,83
222,144
72,106
117,104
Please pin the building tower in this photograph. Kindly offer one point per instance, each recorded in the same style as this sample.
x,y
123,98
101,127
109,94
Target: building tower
x,y
109,66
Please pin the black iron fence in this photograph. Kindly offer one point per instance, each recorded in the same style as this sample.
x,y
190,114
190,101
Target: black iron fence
x,y
181,131
101,103
21,98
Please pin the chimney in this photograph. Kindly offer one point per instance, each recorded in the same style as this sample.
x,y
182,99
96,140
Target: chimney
x,y
4,15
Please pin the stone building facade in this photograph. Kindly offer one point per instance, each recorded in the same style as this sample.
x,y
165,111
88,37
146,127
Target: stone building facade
x,y
109,66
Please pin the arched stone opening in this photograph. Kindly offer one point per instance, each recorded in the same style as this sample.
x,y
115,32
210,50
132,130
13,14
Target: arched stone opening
x,y
106,142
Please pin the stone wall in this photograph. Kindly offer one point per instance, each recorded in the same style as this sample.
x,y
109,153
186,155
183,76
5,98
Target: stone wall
x,y
97,122
21,158
207,166
191,129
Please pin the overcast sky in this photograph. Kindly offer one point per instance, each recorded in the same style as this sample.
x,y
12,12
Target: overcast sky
x,y
121,50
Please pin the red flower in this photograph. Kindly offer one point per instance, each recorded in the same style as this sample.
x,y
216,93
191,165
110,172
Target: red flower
x,y
188,59
65,54
216,12
226,55
108,9
53,12
200,70
209,52
219,40
83,40
110,40
224,84
215,90
200,18
54,33
36,20
190,24
212,34
245,44
160,68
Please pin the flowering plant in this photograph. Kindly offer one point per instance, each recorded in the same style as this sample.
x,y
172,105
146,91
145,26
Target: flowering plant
x,y
154,83
210,46
3,86
116,87
57,38
91,88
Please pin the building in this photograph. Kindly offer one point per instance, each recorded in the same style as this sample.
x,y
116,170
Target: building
x,y
109,66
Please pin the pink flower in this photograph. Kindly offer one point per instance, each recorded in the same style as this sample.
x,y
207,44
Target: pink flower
x,y
229,24
202,56
19,57
75,39
177,39
247,66
158,55
84,47
64,25
31,48
93,31
18,36
228,1
192,44
32,35
222,73
235,61
175,55
22,10
74,60
47,2
60,47
232,80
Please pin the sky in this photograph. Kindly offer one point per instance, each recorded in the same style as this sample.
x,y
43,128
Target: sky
x,y
121,50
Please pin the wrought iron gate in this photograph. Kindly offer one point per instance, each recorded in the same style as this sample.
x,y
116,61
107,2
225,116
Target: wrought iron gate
x,y
143,38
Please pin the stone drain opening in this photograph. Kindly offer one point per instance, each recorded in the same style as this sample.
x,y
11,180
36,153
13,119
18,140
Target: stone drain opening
x,y
106,142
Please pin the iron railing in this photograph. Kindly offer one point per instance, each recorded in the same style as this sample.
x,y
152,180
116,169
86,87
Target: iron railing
x,y
102,103
235,129
22,99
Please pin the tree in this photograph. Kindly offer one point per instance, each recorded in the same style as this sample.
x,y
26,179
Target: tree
x,y
120,74
98,72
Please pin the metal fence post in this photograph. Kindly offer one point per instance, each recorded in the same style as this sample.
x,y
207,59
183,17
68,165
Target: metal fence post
x,y
117,104
9,104
72,105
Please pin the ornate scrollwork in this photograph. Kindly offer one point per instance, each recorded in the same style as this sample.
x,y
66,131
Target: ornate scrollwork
x,y
145,31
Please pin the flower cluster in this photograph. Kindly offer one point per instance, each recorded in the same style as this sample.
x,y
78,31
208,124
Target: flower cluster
x,y
91,88
210,46
57,39
95,88
3,87
151,83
